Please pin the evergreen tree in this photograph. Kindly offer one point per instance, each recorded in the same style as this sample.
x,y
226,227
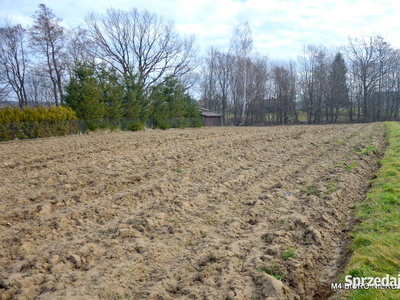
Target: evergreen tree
x,y
338,98
84,94
112,92
171,106
135,104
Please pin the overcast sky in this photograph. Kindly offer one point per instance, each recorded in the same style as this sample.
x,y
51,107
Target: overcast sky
x,y
280,27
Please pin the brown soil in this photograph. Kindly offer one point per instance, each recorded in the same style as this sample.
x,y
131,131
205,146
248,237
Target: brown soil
x,y
212,213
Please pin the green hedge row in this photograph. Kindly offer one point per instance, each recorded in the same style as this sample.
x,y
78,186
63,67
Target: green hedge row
x,y
36,122
30,130
56,121
36,114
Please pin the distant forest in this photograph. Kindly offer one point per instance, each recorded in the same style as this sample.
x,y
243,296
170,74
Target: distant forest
x,y
133,64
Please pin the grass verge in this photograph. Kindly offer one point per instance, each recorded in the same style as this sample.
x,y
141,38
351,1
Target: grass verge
x,y
376,240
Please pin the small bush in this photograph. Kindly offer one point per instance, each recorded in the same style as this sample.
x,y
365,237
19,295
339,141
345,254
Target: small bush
x,y
92,125
197,123
161,124
135,126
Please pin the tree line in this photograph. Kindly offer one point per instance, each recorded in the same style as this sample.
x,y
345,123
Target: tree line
x,y
358,83
124,64
133,64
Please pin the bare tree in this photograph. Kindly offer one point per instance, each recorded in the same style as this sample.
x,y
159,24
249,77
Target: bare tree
x,y
139,42
241,47
354,95
387,60
48,40
257,90
284,78
313,81
4,87
14,60
362,53
373,63
391,98
209,84
224,70
39,88
235,81
216,80
80,48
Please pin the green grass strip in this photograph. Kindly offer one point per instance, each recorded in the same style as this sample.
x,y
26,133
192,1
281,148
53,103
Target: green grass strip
x,y
376,240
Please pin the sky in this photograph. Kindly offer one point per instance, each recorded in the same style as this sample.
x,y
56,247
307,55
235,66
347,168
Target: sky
x,y
281,28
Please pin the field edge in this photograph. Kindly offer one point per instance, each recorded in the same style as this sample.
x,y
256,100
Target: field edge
x,y
376,239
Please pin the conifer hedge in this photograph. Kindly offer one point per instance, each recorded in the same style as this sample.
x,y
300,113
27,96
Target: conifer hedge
x,y
36,122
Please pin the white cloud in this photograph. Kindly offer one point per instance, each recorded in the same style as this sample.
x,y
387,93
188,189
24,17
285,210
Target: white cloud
x,y
280,27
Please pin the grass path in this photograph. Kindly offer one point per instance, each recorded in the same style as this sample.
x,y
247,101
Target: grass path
x,y
376,240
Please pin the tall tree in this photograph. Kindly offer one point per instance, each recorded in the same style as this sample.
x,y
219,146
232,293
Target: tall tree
x,y
374,66
38,88
140,42
216,81
14,60
84,93
284,78
362,53
313,80
113,91
171,105
257,90
4,89
224,73
241,47
79,48
339,91
210,81
48,40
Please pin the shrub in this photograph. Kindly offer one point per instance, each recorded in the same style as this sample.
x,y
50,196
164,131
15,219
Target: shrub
x,y
135,126
36,114
36,122
198,122
160,123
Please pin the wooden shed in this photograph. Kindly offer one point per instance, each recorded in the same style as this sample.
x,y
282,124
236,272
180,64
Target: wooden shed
x,y
211,119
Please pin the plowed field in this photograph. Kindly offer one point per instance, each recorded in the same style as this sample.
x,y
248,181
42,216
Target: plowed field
x,y
211,213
